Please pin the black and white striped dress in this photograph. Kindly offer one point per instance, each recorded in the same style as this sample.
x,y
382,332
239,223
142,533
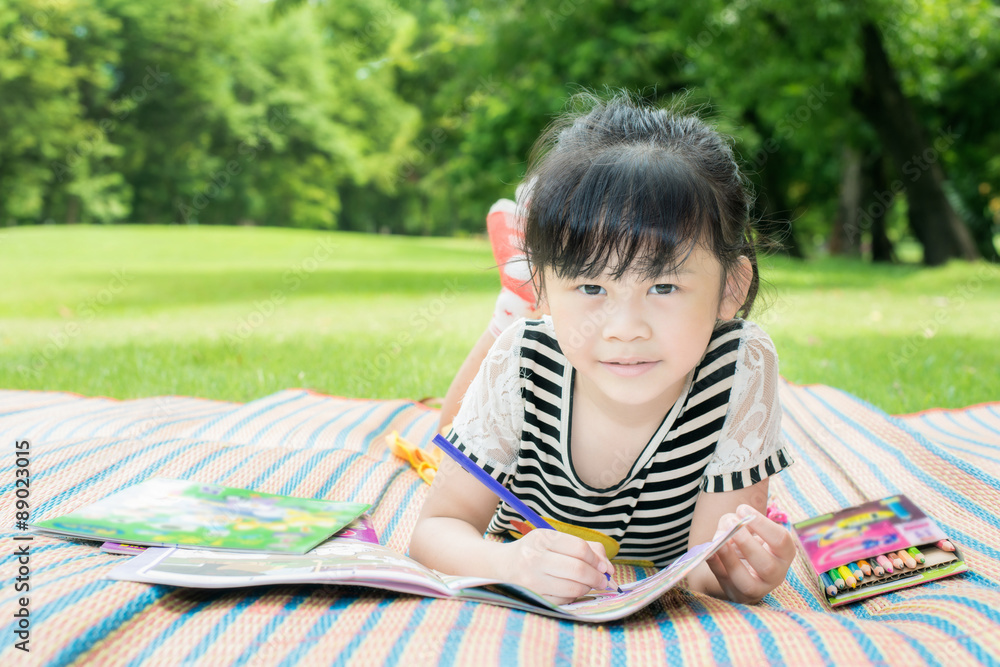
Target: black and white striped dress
x,y
723,433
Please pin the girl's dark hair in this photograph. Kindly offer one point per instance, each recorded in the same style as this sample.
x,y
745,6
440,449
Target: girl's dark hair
x,y
623,181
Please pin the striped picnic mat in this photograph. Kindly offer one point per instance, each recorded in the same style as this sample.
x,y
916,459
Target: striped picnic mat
x,y
300,443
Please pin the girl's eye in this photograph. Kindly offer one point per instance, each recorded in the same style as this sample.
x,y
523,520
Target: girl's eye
x,y
591,290
663,288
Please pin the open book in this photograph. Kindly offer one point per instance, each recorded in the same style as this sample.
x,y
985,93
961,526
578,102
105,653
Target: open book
x,y
355,563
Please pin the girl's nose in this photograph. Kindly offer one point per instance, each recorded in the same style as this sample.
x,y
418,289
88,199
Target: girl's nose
x,y
627,321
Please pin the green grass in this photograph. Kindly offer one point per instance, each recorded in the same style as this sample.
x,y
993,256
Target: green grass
x,y
238,313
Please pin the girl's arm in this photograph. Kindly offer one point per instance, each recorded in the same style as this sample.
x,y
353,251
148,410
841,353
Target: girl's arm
x,y
449,537
462,380
755,561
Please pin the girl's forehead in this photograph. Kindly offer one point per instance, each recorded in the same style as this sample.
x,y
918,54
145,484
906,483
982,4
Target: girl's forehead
x,y
697,261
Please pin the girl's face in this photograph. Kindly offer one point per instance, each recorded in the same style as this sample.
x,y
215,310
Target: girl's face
x,y
633,341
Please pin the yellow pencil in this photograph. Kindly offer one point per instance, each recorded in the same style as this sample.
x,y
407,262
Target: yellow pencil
x,y
848,577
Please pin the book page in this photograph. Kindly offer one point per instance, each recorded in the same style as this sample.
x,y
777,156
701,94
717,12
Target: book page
x,y
606,605
338,560
351,562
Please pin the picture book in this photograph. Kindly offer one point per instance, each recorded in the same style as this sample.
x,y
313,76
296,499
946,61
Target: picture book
x,y
880,546
351,562
170,512
360,529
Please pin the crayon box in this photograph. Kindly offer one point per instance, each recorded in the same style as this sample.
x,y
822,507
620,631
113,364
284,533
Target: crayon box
x,y
857,536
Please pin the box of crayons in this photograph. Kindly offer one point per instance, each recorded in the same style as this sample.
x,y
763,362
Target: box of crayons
x,y
885,545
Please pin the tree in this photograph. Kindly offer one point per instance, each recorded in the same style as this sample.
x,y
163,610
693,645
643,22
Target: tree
x,y
932,218
55,64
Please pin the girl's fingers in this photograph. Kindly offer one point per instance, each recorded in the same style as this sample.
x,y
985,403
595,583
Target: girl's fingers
x,y
776,536
570,577
761,557
603,562
572,559
740,578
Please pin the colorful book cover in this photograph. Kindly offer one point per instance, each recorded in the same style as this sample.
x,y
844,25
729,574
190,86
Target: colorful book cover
x,y
361,529
356,563
170,512
870,530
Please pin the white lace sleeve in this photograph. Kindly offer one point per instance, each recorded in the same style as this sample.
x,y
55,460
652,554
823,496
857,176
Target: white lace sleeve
x,y
490,418
751,446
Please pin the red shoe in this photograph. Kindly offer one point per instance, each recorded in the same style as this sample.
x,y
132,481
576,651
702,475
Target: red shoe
x,y
506,230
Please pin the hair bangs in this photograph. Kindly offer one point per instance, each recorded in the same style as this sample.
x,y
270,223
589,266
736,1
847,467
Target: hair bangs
x,y
635,209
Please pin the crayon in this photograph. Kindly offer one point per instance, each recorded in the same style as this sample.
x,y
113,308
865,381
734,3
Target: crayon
x,y
837,579
866,567
915,552
885,563
945,545
831,588
848,577
909,560
897,562
856,570
877,568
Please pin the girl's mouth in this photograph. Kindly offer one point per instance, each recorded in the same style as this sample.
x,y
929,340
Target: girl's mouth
x,y
628,367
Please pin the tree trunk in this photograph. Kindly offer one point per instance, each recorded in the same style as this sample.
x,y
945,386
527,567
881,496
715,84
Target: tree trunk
x,y
874,181
72,209
845,237
772,209
932,219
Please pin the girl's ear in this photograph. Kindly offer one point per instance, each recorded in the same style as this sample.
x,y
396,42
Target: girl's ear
x,y
736,289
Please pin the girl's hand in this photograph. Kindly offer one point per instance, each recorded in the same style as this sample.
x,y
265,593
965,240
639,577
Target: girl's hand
x,y
557,566
755,561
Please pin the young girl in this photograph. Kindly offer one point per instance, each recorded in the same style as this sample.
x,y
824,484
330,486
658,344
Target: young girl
x,y
638,409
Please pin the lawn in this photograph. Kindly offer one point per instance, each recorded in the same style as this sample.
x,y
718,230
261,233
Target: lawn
x,y
238,313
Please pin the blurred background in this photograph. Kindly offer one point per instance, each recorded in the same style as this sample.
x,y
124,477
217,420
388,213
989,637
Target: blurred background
x,y
868,128
862,124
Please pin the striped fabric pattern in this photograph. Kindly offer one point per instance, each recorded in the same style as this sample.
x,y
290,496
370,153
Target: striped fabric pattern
x,y
300,443
972,434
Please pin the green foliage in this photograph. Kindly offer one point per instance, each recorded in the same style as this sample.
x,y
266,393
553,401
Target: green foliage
x,y
413,116
193,111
